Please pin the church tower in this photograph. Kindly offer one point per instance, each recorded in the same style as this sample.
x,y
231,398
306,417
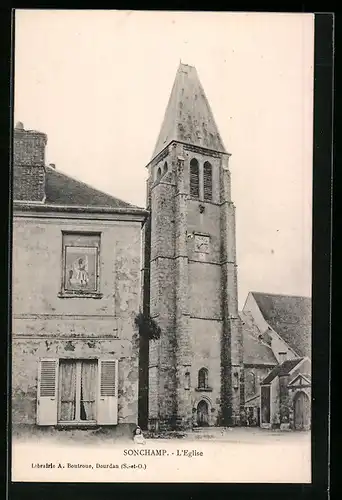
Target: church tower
x,y
190,273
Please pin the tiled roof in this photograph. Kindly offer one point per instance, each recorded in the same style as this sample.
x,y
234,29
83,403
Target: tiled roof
x,y
64,190
255,352
290,317
188,117
283,369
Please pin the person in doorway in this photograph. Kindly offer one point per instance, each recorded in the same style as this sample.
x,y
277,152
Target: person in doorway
x,y
138,436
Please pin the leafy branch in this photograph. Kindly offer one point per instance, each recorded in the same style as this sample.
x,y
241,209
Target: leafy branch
x,y
148,327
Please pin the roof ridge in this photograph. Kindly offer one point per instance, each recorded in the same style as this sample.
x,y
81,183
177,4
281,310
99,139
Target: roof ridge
x,y
282,295
58,172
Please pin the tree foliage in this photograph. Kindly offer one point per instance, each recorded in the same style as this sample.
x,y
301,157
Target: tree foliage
x,y
148,327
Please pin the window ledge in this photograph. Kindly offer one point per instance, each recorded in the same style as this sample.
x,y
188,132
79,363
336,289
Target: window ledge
x,y
203,389
79,294
77,425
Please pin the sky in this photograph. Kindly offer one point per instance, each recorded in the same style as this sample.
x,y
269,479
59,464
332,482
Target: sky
x,y
98,82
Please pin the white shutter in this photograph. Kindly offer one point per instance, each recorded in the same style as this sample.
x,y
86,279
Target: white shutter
x,y
47,391
107,408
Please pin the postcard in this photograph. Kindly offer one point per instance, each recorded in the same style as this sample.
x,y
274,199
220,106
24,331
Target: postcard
x,y
162,226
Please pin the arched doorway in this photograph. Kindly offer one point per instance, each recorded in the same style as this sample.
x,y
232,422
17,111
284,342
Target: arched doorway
x,y
302,411
202,414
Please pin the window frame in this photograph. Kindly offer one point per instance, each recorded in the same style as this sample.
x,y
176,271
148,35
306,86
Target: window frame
x,y
86,236
205,385
207,167
77,421
194,163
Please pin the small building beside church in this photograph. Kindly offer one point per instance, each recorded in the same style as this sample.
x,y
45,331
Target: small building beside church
x,y
258,361
282,325
286,396
75,293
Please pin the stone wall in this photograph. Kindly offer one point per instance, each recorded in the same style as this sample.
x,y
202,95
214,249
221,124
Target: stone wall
x,y
162,376
28,164
260,373
29,147
193,295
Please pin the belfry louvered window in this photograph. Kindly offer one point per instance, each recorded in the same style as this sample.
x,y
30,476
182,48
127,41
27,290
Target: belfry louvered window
x,y
194,178
207,181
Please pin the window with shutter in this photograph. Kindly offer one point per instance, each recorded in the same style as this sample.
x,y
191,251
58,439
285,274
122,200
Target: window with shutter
x,y
77,391
47,391
48,378
108,378
108,392
194,178
207,181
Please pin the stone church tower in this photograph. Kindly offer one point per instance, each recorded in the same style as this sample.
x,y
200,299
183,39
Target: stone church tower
x,y
190,273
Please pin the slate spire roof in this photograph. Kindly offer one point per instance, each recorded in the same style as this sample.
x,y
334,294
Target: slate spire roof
x,y
188,117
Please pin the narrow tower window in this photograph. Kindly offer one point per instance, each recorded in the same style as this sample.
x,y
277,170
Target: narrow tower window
x,y
250,383
207,181
158,174
187,380
194,178
203,378
165,168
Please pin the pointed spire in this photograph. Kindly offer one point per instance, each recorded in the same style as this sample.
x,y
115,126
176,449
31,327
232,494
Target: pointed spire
x,y
188,117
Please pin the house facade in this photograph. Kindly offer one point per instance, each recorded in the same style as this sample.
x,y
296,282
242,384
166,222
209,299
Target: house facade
x,y
75,292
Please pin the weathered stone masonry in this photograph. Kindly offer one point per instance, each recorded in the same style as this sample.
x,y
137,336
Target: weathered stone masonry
x,y
197,327
192,294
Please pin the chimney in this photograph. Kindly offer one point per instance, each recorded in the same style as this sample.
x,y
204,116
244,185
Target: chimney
x,y
28,164
282,357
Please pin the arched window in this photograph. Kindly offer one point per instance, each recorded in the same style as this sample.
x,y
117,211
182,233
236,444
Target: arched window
x,y
159,173
187,380
207,181
165,168
194,178
203,378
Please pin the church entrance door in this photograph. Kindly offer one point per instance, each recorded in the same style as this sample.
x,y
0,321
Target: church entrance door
x,y
301,411
202,414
